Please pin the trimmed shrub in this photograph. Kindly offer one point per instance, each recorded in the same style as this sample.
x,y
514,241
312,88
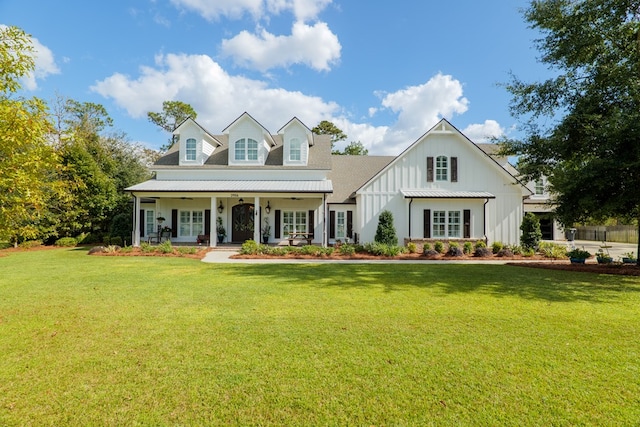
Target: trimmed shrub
x,y
439,247
467,248
480,244
28,244
347,250
386,232
531,233
496,247
66,242
121,227
115,240
483,252
426,247
412,248
249,247
165,247
454,249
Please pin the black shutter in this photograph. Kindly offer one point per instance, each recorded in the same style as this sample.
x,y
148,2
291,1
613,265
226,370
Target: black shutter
x,y
454,169
277,224
350,224
427,223
467,223
332,224
429,169
174,222
142,220
207,221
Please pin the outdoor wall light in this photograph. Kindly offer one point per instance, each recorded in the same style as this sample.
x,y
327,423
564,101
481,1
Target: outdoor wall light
x,y
220,207
268,208
241,201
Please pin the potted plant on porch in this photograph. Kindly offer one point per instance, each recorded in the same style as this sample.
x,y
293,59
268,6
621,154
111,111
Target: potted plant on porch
x,y
578,256
266,231
220,230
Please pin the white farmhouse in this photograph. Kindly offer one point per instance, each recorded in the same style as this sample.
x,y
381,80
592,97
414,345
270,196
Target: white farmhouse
x,y
442,187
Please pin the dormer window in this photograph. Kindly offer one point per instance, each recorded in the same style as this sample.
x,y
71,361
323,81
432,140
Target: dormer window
x,y
246,149
190,150
539,187
295,150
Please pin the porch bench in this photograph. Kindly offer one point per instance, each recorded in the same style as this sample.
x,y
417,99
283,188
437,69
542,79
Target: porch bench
x,y
302,236
203,238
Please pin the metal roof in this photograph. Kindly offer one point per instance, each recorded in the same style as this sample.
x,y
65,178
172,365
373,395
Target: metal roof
x,y
266,186
443,194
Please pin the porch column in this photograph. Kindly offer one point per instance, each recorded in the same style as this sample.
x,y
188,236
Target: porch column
x,y
213,238
256,219
135,239
323,220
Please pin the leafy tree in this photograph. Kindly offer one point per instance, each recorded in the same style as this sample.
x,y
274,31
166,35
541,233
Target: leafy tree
x,y
531,233
355,148
16,58
386,232
326,127
583,125
173,113
28,163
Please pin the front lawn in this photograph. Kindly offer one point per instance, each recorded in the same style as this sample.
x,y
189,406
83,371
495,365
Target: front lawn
x,y
173,341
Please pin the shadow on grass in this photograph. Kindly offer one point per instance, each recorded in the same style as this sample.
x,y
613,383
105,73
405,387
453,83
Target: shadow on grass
x,y
498,280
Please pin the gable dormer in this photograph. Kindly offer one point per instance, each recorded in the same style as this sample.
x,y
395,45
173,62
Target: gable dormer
x,y
249,142
297,138
195,143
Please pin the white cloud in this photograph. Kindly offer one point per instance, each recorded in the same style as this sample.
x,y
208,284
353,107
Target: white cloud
x,y
481,133
315,46
217,97
214,9
45,65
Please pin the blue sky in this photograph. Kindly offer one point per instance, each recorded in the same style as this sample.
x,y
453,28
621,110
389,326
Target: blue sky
x,y
383,71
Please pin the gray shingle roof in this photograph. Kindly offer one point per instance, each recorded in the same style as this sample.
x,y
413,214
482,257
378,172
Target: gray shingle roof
x,y
319,156
349,173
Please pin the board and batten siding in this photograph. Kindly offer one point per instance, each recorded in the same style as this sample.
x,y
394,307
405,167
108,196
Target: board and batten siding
x,y
475,172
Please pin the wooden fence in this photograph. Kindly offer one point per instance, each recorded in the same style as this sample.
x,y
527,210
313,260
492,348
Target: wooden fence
x,y
614,233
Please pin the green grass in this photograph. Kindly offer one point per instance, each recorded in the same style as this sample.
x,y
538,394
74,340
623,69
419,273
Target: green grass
x,y
172,341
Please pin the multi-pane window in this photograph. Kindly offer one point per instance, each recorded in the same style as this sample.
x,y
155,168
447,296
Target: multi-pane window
x,y
340,225
294,222
252,149
191,223
446,224
149,221
241,149
295,149
439,224
246,149
190,149
441,168
539,187
454,224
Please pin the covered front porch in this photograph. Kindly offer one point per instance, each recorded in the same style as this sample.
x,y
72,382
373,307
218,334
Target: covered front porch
x,y
234,216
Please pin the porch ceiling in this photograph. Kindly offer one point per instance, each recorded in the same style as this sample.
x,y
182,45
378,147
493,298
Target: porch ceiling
x,y
266,186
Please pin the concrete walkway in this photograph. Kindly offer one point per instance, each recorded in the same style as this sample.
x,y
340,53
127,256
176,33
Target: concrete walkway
x,y
616,250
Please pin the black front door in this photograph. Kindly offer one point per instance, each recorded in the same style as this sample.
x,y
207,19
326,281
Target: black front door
x,y
242,222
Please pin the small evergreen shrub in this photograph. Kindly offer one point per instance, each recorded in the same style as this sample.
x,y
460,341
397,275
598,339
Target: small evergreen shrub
x,y
480,244
146,247
165,247
467,248
249,247
496,247
386,232
531,233
516,249
28,244
347,250
483,252
66,242
111,249
412,248
186,250
115,240
426,247
454,249
438,247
